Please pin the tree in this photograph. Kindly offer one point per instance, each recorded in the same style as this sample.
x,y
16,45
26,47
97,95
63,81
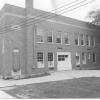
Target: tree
x,y
94,17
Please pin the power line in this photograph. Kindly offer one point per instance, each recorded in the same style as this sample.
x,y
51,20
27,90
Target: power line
x,y
42,14
46,15
75,8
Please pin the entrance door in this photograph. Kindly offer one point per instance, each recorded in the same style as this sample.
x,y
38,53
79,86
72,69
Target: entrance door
x,y
64,61
16,63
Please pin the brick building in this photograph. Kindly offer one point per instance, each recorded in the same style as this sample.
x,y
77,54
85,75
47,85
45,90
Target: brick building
x,y
38,44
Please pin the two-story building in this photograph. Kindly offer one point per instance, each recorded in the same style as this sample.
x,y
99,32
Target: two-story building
x,y
32,42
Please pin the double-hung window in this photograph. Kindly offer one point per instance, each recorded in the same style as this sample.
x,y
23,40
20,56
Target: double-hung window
x,y
82,39
50,37
40,60
77,59
50,60
66,39
40,35
76,36
88,40
58,39
92,41
94,57
83,58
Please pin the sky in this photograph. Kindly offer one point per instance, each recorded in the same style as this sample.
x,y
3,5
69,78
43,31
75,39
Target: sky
x,y
47,5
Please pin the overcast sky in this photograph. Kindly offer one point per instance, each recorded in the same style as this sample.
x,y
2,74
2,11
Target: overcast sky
x,y
79,13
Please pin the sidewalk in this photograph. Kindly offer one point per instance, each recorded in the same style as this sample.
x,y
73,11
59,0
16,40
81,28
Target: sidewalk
x,y
56,76
4,95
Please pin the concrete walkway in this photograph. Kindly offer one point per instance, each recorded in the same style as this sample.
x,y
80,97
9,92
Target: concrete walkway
x,y
4,95
53,77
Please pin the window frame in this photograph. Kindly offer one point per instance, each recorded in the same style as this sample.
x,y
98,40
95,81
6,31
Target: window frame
x,y
39,36
67,35
49,36
82,39
84,60
77,39
78,54
93,57
59,32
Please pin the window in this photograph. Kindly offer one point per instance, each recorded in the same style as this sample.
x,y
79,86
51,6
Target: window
x,y
82,39
58,39
39,35
94,57
50,56
76,39
84,58
89,55
92,41
87,40
40,57
66,39
40,62
77,59
50,61
49,37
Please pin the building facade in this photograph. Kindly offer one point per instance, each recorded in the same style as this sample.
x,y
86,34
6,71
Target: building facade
x,y
32,43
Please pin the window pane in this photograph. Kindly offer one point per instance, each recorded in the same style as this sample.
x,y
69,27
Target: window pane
x,y
87,40
49,39
89,55
77,59
82,39
58,39
50,56
94,57
84,58
39,35
76,39
40,57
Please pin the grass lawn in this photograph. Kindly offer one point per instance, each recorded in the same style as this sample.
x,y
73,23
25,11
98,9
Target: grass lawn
x,y
73,88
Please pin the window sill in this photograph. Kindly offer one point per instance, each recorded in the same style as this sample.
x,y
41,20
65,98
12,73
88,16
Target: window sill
x,y
40,42
67,44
